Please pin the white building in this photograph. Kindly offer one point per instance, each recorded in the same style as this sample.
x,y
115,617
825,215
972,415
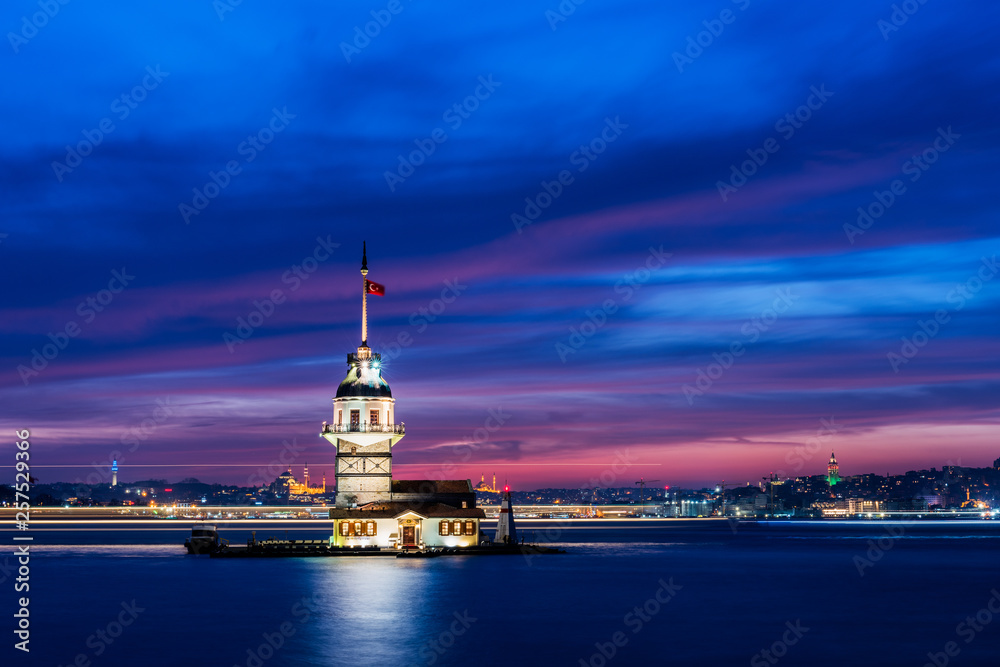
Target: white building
x,y
372,509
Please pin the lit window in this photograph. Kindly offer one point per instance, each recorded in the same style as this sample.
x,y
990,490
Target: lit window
x,y
458,528
344,528
371,528
357,529
443,528
470,527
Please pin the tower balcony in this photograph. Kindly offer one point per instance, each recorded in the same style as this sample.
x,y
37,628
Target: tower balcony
x,y
365,427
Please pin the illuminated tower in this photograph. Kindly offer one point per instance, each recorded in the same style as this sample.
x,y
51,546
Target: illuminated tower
x,y
832,470
114,472
305,475
363,428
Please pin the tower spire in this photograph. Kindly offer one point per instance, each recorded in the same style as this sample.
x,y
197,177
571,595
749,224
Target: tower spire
x,y
364,294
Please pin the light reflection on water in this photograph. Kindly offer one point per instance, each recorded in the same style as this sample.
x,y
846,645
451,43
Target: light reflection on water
x,y
738,591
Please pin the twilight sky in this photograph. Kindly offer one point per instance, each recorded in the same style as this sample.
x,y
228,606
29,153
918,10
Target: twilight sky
x,y
624,284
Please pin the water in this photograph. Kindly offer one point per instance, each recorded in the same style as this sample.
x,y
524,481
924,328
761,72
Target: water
x,y
736,593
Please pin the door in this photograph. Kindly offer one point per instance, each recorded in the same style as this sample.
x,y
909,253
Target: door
x,y
355,419
409,536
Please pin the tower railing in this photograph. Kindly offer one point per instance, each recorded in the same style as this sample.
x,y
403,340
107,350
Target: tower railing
x,y
365,427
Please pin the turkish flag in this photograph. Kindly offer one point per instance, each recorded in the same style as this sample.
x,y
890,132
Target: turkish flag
x,y
374,288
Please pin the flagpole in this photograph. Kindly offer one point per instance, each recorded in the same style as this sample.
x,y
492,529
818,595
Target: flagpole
x,y
364,295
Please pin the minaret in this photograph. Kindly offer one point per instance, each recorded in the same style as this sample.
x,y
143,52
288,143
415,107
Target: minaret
x,y
506,533
363,428
114,472
305,475
832,470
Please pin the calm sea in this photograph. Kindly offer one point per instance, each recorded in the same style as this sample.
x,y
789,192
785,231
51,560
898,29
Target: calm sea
x,y
627,593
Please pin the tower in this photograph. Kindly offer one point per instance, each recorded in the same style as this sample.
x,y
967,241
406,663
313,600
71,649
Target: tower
x,y
506,533
363,428
832,470
305,475
114,472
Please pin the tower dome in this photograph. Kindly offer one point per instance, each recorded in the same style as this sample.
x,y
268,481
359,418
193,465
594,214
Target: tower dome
x,y
364,378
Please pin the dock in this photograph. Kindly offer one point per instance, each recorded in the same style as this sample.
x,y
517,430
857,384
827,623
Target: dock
x,y
322,549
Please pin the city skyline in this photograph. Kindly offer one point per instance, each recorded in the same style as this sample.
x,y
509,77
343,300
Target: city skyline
x,y
606,244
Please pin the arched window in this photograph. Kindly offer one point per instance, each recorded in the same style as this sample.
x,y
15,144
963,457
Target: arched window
x,y
443,528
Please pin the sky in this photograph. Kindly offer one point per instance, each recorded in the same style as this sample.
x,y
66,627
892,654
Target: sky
x,y
684,242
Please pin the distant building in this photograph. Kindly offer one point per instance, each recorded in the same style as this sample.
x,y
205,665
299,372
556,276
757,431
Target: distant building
x,y
286,484
483,487
832,470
